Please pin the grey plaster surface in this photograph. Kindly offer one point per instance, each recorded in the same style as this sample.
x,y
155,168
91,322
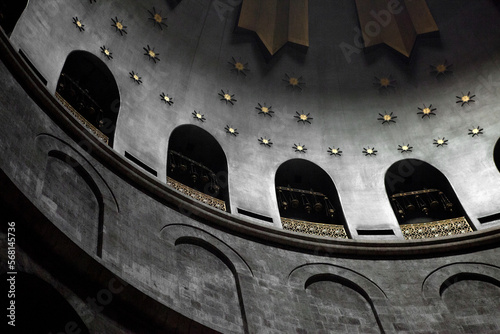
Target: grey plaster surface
x,y
163,253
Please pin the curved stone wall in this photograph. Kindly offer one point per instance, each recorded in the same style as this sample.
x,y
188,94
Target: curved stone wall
x,y
237,274
339,93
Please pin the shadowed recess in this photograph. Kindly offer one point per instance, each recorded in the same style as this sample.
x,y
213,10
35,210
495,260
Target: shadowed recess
x,y
39,308
10,12
222,257
496,154
87,84
197,160
92,185
467,277
349,284
304,175
420,193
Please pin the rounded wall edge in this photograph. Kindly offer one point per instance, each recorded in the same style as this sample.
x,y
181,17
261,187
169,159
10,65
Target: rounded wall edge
x,y
235,224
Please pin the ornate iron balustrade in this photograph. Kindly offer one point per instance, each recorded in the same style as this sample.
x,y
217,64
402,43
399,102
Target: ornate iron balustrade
x,y
89,126
436,229
300,191
324,230
200,165
418,192
198,195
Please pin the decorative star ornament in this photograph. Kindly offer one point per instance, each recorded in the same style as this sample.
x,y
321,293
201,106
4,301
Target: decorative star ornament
x,y
387,118
226,97
134,76
385,82
405,148
440,142
335,151
265,141
198,116
465,99
157,19
239,66
231,131
476,131
427,111
293,81
105,51
265,110
165,98
303,117
118,25
78,24
441,69
369,151
299,148
152,55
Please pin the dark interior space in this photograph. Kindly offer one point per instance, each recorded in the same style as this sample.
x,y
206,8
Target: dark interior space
x,y
88,86
420,193
10,12
306,192
496,155
197,160
39,308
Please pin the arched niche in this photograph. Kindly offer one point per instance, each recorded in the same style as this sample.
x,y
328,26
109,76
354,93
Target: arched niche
x,y
474,301
420,193
496,155
39,307
73,195
10,12
305,192
208,287
87,86
342,305
196,160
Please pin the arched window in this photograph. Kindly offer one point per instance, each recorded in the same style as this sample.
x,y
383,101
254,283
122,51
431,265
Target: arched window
x,y
421,194
308,201
197,166
496,155
39,308
10,12
88,89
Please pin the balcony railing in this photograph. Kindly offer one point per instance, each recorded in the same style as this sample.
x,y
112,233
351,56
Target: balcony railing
x,y
89,126
324,230
436,229
198,195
